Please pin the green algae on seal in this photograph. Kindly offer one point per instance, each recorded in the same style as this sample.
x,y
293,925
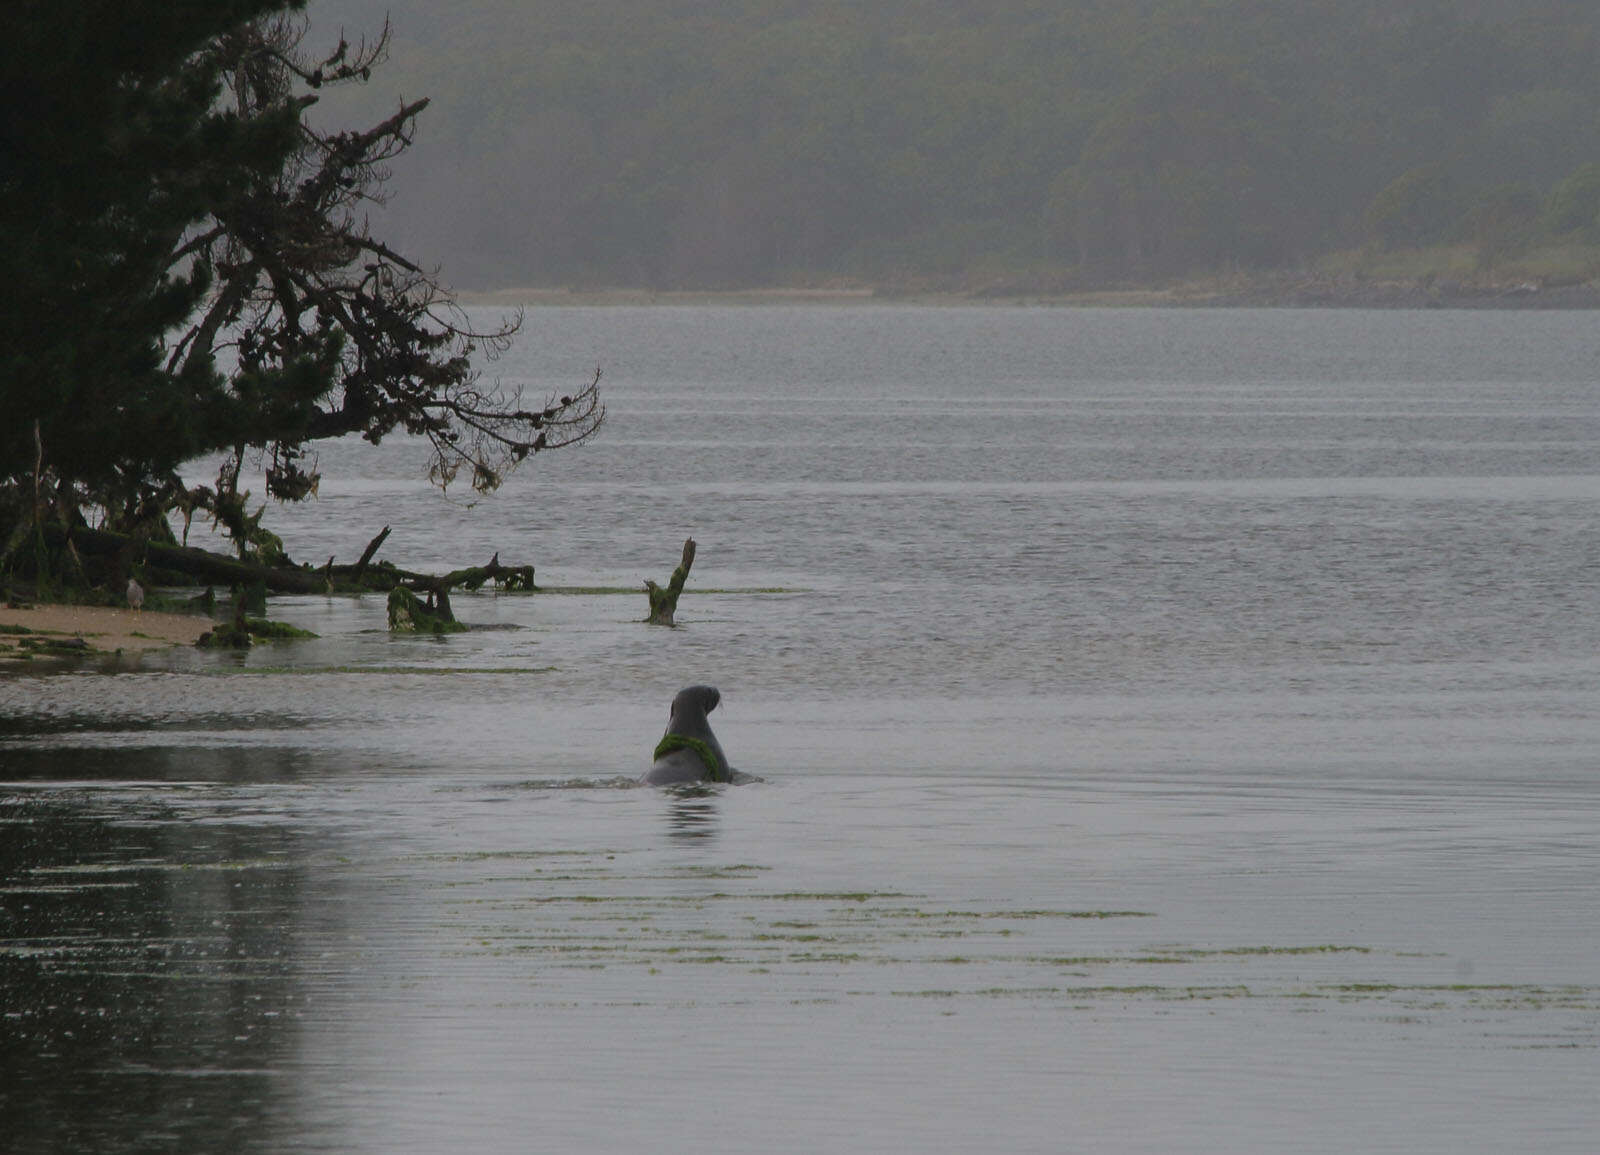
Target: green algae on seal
x,y
708,755
689,751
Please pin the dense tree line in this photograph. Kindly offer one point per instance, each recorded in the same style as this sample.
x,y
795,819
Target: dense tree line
x,y
739,142
189,270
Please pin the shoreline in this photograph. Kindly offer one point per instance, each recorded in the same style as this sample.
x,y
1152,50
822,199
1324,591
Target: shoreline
x,y
1281,292
101,629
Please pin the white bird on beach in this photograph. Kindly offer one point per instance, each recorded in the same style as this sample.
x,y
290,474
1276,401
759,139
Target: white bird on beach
x,y
135,595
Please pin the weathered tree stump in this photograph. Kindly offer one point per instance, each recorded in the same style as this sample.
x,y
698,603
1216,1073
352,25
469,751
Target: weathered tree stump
x,y
234,635
664,602
409,615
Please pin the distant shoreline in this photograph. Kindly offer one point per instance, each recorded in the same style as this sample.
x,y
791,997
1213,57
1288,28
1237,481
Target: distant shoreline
x,y
1267,292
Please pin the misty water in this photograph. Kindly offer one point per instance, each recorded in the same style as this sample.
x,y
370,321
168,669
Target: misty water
x,y
1179,731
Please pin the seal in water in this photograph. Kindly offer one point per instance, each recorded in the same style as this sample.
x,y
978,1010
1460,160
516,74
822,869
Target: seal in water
x,y
689,751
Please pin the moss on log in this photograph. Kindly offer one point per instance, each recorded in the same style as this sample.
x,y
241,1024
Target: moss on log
x,y
108,553
185,561
226,636
510,577
263,630
418,602
664,602
408,614
233,635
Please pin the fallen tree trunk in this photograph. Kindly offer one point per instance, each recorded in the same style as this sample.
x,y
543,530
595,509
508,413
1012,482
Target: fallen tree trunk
x,y
513,577
184,564
518,577
205,567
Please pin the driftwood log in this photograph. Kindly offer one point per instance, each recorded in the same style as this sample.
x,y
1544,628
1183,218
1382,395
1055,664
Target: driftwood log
x,y
511,577
184,563
664,602
180,565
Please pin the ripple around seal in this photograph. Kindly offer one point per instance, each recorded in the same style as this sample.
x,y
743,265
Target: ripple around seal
x,y
618,782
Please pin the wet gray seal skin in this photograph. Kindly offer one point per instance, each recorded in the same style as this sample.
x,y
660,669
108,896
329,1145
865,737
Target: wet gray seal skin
x,y
689,751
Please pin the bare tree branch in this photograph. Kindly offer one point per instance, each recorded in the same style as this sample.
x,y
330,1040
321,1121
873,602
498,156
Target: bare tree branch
x,y
335,332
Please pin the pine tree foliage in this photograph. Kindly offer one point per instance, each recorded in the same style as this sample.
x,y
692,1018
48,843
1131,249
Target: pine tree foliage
x,y
194,273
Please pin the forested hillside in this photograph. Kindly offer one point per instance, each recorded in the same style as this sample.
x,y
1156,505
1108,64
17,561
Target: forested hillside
x,y
728,143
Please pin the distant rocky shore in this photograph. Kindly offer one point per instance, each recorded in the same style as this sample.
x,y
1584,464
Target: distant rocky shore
x,y
1349,292
1314,291
1263,291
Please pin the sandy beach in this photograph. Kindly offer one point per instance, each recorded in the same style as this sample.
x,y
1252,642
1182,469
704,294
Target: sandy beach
x,y
104,628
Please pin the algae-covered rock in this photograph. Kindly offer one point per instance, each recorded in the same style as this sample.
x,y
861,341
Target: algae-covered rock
x,y
408,614
226,636
263,630
240,633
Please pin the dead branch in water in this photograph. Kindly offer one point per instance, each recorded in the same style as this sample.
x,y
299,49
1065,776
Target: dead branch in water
x,y
664,602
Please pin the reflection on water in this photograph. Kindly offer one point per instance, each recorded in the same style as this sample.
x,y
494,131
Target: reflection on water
x,y
150,978
407,963
692,815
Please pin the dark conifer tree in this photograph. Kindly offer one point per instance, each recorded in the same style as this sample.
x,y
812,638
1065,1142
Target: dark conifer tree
x,y
111,145
193,273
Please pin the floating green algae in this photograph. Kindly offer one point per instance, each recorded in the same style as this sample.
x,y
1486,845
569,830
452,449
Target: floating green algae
x,y
425,670
633,591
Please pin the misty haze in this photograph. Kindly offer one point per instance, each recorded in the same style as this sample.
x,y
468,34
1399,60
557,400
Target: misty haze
x,y
798,576
1008,147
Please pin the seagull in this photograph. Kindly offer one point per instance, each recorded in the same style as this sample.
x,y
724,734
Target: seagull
x,y
135,595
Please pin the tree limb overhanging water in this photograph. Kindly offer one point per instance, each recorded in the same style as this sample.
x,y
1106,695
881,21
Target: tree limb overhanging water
x,y
196,275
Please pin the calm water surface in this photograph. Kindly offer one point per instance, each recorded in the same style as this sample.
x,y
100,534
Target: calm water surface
x,y
1179,732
